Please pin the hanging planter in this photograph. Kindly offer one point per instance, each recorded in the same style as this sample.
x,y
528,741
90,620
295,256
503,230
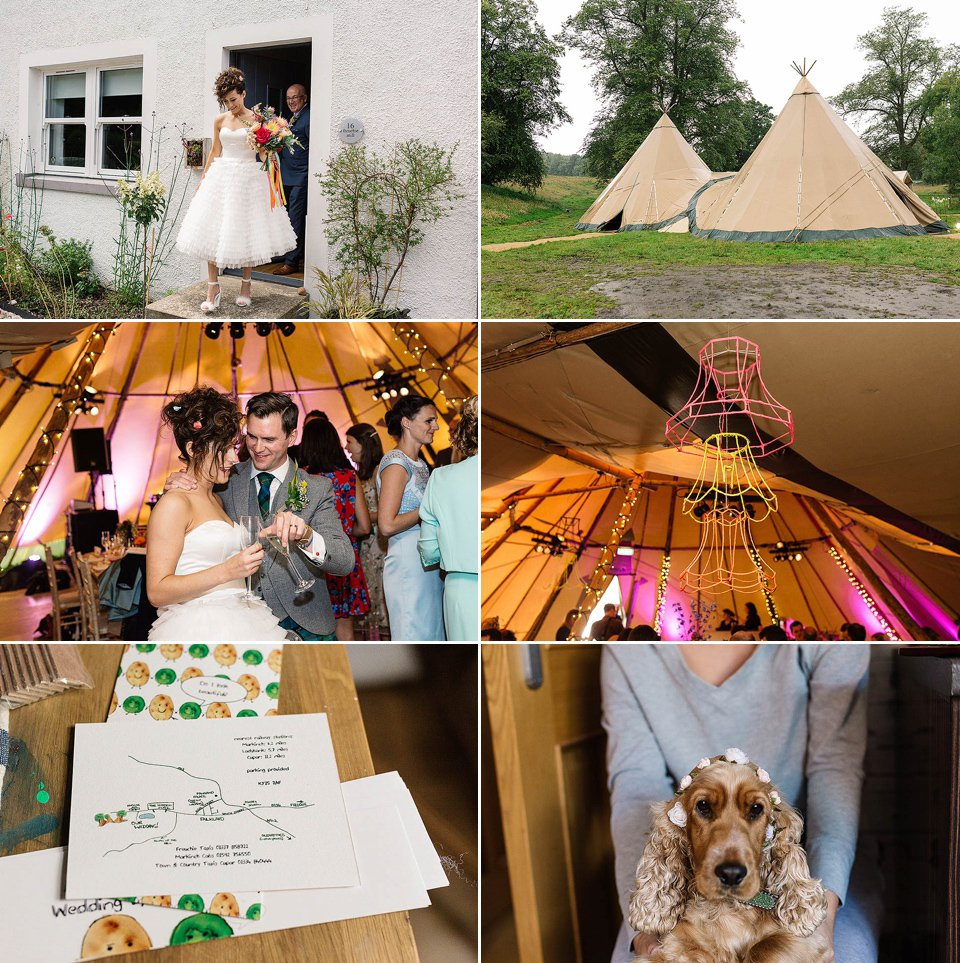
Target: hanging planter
x,y
194,152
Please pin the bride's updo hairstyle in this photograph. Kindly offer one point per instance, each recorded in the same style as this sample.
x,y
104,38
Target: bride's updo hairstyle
x,y
205,418
405,407
230,79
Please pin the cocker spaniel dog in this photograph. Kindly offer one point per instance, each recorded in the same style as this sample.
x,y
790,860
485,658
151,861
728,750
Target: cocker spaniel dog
x,y
723,878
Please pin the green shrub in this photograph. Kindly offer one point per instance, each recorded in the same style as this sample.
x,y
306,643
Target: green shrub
x,y
72,262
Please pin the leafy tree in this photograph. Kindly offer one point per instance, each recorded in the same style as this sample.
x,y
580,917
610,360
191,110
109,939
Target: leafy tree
x,y
890,95
564,165
673,55
519,91
941,137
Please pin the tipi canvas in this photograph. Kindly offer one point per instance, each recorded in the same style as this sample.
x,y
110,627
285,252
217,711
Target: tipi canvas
x,y
810,179
653,188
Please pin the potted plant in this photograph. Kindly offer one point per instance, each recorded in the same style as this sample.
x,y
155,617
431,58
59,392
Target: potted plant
x,y
194,151
377,207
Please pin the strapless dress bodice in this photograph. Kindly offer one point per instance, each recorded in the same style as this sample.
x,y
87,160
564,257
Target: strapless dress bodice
x,y
207,545
234,146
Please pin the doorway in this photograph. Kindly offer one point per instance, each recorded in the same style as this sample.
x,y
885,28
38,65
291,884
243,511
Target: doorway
x,y
269,71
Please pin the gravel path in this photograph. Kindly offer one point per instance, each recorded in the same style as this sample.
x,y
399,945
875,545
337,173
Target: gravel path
x,y
780,291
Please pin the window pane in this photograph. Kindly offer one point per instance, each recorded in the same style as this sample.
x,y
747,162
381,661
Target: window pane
x,y
68,144
121,92
66,95
121,147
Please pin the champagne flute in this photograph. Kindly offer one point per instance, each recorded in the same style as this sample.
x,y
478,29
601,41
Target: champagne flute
x,y
249,533
273,539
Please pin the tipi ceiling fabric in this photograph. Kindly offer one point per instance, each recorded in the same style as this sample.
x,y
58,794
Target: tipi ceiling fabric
x,y
875,407
145,363
810,179
653,188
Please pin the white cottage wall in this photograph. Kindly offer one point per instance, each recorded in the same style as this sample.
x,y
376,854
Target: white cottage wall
x,y
405,70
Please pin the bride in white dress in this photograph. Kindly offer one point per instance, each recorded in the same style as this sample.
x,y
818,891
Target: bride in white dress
x,y
195,563
230,222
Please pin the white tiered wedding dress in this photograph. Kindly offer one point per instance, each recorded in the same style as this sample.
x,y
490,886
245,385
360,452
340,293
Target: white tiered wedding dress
x,y
220,614
230,222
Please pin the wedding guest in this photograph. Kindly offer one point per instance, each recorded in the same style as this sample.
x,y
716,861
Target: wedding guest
x,y
321,454
230,222
796,630
643,633
364,447
565,630
414,593
752,622
609,627
854,632
773,633
728,623
666,706
294,171
449,529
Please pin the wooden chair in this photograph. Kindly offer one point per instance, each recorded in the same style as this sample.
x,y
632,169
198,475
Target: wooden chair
x,y
66,613
96,625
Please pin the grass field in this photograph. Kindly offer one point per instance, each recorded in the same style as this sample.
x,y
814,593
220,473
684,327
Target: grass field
x,y
554,280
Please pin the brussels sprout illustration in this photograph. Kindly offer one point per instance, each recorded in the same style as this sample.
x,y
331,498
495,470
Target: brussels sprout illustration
x,y
254,912
165,676
199,651
246,712
252,657
192,902
133,704
190,710
273,690
199,929
143,647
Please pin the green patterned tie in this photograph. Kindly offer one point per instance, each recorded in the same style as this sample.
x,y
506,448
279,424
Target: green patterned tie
x,y
263,496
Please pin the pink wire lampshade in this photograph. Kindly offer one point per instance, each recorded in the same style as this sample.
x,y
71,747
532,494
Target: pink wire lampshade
x,y
731,368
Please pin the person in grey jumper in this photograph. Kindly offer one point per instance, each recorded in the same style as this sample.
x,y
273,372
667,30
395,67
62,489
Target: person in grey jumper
x,y
799,711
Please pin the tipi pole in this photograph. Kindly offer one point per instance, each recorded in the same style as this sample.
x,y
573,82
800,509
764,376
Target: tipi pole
x,y
21,388
870,577
334,372
665,564
487,552
488,518
598,580
816,524
545,610
552,448
628,611
16,506
501,357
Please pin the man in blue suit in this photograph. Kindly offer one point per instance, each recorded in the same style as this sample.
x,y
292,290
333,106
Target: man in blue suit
x,y
294,171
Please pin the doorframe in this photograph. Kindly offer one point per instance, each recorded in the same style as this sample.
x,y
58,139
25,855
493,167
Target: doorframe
x,y
318,32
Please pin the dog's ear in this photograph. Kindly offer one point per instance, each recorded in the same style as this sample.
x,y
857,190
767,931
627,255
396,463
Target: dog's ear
x,y
801,902
662,883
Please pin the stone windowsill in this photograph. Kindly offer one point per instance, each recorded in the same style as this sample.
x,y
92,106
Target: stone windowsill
x,y
78,184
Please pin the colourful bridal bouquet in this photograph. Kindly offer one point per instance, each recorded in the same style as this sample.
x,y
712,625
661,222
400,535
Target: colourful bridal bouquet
x,y
271,133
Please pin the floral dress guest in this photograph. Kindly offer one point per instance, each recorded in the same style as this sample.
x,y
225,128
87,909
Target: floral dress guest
x,y
320,454
364,447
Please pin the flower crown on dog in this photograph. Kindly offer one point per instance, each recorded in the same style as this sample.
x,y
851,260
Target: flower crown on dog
x,y
678,816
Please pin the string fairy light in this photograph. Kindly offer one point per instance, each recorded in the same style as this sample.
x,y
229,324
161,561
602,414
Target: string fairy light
x,y
17,504
888,629
661,593
595,587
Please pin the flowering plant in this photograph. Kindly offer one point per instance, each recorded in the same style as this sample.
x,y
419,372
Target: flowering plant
x,y
296,493
145,199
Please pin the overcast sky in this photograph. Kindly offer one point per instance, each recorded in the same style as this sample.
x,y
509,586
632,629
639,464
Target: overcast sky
x,y
772,34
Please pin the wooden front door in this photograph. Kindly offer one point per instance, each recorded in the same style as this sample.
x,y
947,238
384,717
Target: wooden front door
x,y
548,747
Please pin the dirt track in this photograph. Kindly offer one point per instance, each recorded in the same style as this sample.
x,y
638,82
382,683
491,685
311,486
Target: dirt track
x,y
780,291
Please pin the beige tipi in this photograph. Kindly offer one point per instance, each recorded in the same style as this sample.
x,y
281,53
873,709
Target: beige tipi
x,y
653,188
810,179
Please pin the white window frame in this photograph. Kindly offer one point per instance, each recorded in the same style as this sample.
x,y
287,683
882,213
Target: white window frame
x,y
90,59
91,121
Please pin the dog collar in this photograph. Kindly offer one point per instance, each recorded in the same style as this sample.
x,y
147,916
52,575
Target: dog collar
x,y
762,900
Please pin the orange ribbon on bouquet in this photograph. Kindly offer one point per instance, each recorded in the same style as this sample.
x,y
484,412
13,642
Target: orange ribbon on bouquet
x,y
276,182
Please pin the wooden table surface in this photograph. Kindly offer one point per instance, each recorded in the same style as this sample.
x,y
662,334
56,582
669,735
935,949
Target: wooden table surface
x,y
316,678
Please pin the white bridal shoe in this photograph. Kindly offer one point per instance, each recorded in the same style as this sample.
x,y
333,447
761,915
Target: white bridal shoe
x,y
244,300
209,305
